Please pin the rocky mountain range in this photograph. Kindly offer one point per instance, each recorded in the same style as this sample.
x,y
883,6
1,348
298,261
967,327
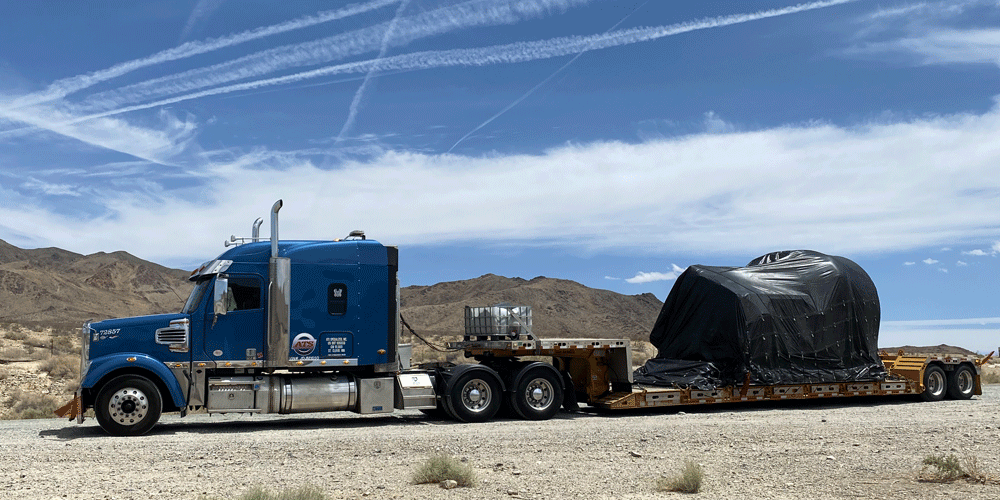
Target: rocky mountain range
x,y
54,287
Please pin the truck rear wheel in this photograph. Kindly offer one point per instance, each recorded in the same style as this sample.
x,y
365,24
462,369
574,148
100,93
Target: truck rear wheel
x,y
961,382
538,394
128,405
474,396
934,384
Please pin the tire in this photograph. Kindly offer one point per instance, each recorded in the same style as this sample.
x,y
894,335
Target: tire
x,y
474,396
935,384
538,394
961,382
129,405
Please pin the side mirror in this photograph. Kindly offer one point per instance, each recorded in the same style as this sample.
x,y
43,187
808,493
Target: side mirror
x,y
220,295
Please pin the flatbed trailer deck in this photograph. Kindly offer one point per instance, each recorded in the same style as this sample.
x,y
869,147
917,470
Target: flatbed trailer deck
x,y
600,371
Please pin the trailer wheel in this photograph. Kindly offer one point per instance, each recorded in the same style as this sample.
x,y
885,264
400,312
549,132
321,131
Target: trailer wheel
x,y
961,382
538,394
934,384
128,405
474,396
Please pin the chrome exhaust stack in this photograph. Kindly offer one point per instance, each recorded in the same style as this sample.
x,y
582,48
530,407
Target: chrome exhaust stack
x,y
256,229
279,300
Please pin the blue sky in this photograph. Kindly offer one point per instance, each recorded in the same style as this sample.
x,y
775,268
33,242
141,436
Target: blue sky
x,y
610,143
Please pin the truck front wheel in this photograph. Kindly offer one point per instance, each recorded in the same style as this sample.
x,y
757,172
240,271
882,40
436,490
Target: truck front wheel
x,y
128,406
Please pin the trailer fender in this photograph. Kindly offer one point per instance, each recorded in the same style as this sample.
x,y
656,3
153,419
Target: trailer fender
x,y
135,363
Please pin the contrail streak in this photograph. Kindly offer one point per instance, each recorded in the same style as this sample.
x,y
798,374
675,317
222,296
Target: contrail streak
x,y
468,14
498,54
543,82
352,112
64,87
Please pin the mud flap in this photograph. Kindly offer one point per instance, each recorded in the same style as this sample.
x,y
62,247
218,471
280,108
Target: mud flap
x,y
569,394
71,410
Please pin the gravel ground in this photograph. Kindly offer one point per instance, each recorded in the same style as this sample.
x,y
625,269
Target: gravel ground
x,y
817,449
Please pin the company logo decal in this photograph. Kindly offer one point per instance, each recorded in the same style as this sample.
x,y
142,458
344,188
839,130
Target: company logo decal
x,y
304,344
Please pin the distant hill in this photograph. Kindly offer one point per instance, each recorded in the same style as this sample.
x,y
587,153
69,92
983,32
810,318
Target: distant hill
x,y
559,308
942,349
54,287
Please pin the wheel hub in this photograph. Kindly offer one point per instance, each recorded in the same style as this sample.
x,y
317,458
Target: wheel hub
x,y
476,395
539,393
128,406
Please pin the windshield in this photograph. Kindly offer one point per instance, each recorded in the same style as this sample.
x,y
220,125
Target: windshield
x,y
199,291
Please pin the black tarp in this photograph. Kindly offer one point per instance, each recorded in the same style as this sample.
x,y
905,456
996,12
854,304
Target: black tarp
x,y
788,317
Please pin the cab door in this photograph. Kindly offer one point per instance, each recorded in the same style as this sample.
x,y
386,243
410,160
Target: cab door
x,y
235,327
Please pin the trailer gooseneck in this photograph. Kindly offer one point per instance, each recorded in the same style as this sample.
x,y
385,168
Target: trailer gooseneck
x,y
312,326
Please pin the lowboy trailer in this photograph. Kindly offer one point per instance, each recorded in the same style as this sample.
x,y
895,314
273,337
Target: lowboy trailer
x,y
314,326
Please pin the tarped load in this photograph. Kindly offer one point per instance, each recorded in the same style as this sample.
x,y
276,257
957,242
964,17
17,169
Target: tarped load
x,y
788,317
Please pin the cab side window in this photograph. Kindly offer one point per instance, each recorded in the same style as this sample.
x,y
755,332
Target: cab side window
x,y
336,299
244,293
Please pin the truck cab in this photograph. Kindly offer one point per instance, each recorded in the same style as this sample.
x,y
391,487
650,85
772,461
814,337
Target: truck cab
x,y
279,326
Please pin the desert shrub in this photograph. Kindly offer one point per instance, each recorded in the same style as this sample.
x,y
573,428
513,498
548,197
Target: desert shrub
x,y
28,405
61,367
688,481
64,343
442,467
17,353
4,374
16,334
36,342
302,493
991,375
949,468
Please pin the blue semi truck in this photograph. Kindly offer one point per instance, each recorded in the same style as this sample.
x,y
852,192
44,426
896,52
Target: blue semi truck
x,y
304,326
314,326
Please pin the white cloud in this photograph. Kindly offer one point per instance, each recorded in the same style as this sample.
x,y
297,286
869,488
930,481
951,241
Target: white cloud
x,y
612,278
909,263
977,252
927,32
644,277
947,46
961,263
832,196
996,247
929,261
943,270
51,189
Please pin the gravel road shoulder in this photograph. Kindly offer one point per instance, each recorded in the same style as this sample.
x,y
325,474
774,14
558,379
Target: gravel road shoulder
x,y
816,449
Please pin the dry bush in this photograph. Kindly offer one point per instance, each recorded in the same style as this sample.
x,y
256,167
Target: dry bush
x,y
991,374
16,353
439,468
950,468
302,493
4,374
61,367
64,343
36,342
27,405
16,334
688,481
